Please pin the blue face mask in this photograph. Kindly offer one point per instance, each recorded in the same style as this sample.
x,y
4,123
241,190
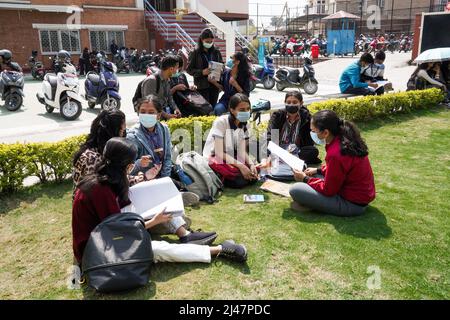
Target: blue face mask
x,y
148,120
243,116
176,75
316,138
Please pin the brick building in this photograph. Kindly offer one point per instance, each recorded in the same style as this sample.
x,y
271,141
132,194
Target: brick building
x,y
51,25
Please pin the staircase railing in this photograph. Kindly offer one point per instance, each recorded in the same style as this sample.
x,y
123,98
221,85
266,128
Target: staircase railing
x,y
243,42
225,30
164,28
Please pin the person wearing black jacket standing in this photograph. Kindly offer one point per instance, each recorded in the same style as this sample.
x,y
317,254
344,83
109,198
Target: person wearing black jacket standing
x,y
293,125
198,66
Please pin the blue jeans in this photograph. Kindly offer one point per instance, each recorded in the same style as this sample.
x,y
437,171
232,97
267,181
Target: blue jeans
x,y
220,109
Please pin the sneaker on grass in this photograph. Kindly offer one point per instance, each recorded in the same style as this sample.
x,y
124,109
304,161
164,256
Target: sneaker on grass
x,y
233,251
201,238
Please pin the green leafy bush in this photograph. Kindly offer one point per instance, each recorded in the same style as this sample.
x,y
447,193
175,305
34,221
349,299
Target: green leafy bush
x,y
371,107
53,161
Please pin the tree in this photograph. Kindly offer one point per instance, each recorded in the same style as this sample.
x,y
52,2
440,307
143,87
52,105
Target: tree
x,y
276,21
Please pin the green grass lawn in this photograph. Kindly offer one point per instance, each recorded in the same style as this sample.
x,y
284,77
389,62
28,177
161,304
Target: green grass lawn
x,y
405,233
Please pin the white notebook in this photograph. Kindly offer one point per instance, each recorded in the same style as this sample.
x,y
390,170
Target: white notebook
x,y
151,197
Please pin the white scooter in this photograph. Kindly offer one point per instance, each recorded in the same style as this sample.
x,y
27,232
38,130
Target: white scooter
x,y
61,92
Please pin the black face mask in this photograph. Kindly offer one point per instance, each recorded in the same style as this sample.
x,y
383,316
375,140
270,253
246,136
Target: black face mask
x,y
292,109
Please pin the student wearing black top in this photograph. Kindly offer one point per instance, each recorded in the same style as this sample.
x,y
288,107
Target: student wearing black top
x,y
198,66
180,90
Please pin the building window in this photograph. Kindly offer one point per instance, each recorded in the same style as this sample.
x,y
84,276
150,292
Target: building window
x,y
101,40
54,40
380,3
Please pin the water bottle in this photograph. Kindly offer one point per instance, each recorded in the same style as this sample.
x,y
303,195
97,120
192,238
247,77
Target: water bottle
x,y
184,178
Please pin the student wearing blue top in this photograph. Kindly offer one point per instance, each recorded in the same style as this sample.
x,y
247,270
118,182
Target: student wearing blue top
x,y
350,81
153,158
234,80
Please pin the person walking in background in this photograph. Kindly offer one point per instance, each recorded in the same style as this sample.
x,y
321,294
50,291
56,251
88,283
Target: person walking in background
x,y
198,66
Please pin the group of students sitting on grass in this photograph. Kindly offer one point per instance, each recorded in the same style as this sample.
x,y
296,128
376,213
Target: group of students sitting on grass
x,y
114,158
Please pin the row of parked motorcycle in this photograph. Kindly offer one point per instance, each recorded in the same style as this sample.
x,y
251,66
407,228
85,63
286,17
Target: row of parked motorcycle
x,y
284,77
392,45
60,88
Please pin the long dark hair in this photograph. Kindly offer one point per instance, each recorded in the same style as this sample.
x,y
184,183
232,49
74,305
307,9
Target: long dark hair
x,y
352,144
237,99
118,154
206,34
107,125
243,67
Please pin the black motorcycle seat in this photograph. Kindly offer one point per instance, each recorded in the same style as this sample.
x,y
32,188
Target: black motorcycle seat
x,y
291,69
94,78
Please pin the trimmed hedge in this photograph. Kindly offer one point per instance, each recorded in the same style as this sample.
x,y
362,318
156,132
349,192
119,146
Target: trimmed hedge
x,y
371,107
53,161
47,161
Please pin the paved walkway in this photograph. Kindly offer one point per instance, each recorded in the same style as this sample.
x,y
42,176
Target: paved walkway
x,y
32,123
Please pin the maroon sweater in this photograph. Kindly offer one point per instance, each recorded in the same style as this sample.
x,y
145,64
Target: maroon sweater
x,y
88,211
348,176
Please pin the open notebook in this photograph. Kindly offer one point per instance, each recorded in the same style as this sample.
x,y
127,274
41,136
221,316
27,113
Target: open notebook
x,y
151,197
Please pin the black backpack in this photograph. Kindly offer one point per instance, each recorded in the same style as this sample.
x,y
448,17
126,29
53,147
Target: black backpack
x,y
138,92
118,254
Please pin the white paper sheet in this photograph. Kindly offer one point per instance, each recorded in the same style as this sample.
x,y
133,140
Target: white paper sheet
x,y
380,84
291,160
151,197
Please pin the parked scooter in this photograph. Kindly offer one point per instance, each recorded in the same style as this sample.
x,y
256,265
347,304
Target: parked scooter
x,y
103,89
263,75
290,78
37,67
60,91
123,64
11,87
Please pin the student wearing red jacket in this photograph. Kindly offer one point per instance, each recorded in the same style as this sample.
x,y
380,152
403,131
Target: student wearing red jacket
x,y
344,186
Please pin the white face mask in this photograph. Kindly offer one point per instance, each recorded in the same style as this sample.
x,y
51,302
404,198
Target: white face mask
x,y
208,45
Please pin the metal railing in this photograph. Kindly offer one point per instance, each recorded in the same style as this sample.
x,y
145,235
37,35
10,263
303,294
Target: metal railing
x,y
243,42
165,28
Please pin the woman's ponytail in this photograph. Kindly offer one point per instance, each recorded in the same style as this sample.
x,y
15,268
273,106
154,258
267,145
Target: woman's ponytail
x,y
351,142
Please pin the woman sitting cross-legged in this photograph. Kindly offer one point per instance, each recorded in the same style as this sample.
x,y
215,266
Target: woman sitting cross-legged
x,y
227,144
106,191
347,186
292,125
153,159
234,80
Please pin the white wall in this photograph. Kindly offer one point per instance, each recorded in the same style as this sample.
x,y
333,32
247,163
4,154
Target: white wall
x,y
231,6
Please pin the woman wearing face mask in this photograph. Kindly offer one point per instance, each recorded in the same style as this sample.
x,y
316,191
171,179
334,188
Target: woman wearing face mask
x,y
106,192
292,127
107,125
347,186
227,144
234,80
153,157
198,66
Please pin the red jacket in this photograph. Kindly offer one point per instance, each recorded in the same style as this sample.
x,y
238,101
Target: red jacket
x,y
88,211
348,176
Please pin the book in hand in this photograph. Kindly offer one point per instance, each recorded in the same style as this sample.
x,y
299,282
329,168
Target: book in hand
x,y
152,197
253,198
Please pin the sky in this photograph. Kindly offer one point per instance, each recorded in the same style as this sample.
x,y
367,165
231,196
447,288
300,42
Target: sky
x,y
269,8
